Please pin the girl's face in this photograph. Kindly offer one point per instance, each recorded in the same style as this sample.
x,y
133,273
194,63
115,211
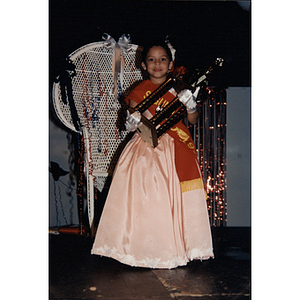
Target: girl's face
x,y
157,64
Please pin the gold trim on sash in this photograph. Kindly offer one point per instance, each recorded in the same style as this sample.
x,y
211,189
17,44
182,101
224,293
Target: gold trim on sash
x,y
191,185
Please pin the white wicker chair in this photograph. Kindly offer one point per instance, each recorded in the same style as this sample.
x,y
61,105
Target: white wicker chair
x,y
94,94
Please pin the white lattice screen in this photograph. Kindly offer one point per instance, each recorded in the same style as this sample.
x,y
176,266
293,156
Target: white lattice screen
x,y
96,106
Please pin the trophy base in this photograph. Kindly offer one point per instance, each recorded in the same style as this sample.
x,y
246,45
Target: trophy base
x,y
147,132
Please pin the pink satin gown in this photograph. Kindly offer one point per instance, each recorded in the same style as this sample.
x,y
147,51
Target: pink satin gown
x,y
148,221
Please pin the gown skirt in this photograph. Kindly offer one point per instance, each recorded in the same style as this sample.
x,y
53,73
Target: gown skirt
x,y
147,221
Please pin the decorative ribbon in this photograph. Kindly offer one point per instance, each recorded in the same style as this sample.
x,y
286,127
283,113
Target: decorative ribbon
x,y
118,62
172,49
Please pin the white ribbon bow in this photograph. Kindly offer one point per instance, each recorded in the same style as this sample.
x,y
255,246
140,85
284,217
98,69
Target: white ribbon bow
x,y
172,49
118,62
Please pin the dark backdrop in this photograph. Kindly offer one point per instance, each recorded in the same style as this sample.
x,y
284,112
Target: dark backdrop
x,y
200,31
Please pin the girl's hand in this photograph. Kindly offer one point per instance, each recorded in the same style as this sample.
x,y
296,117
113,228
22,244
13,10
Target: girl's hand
x,y
133,121
189,99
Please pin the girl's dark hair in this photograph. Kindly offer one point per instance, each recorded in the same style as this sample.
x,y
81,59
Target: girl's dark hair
x,y
153,43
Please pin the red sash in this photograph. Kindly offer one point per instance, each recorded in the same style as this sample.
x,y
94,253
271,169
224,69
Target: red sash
x,y
186,161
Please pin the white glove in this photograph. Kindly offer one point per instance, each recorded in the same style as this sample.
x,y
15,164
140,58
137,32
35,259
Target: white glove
x,y
189,99
133,121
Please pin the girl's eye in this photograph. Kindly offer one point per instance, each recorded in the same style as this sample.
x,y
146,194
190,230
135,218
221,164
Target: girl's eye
x,y
163,59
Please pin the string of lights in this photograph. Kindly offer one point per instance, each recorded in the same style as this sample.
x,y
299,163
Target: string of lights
x,y
210,138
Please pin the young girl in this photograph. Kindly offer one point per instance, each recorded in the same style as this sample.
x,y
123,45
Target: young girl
x,y
155,214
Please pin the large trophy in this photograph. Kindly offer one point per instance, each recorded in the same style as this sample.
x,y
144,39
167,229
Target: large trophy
x,y
150,130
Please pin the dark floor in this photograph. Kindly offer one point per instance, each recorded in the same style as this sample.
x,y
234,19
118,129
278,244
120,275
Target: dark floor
x,y
76,274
